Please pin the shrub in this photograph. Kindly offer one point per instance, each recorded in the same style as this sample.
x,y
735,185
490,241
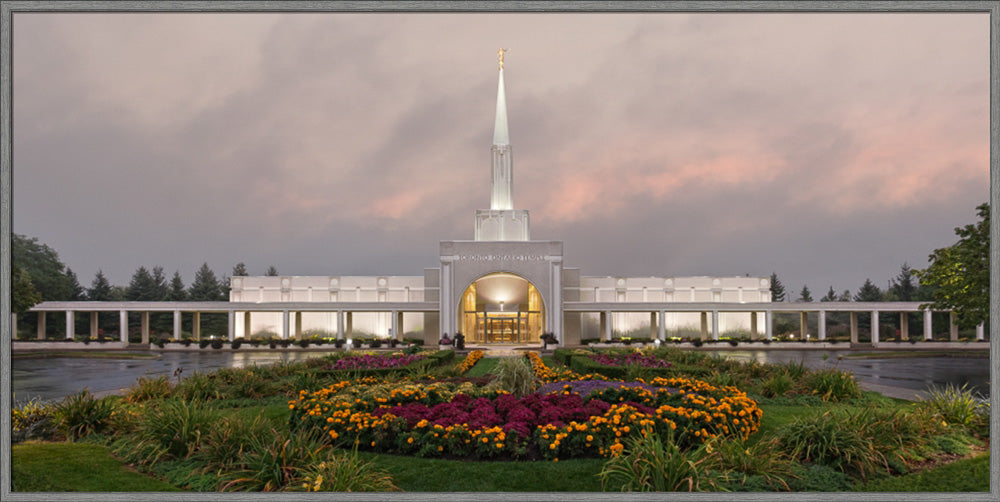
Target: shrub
x,y
957,405
833,385
217,343
648,463
777,385
81,414
147,388
414,341
197,387
514,375
237,343
375,343
346,472
303,343
271,462
32,420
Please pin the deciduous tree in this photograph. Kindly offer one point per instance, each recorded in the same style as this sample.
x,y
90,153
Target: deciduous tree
x,y
959,274
23,292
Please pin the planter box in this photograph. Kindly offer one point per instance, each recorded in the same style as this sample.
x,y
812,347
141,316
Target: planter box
x,y
29,346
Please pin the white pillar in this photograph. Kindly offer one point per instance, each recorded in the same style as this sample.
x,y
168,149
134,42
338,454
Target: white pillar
x,y
144,321
715,325
298,325
704,325
768,324
854,327
397,325
247,329
803,324
821,325
606,324
661,327
123,326
231,325
196,325
980,334
904,326
284,325
13,325
70,325
874,327
928,325
340,325
41,326
952,327
177,325
447,320
93,324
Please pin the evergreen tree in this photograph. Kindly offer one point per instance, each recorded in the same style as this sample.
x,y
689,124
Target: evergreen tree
x,y
23,293
903,287
271,271
142,287
845,296
240,270
77,291
831,296
177,293
869,292
777,289
160,284
205,286
100,289
805,295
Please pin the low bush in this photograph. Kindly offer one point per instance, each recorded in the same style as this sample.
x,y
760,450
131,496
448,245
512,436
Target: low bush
x,y
649,463
32,420
81,414
147,388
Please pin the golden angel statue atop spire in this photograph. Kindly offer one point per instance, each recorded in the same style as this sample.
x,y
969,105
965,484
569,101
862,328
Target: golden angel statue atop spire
x,y
500,54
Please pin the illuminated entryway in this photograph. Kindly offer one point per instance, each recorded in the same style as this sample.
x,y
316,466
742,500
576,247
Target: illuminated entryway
x,y
501,308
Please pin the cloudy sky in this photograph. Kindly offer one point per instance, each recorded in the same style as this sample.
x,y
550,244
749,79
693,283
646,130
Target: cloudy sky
x,y
828,148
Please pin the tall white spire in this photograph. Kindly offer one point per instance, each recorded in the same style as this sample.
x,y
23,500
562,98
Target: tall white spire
x,y
502,162
500,135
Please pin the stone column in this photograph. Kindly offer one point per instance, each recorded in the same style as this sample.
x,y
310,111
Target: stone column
x,y
93,324
398,328
704,325
803,324
661,327
144,321
177,325
231,325
652,325
606,325
904,325
340,325
768,324
247,330
13,325
821,325
874,327
196,325
70,325
350,324
715,325
854,327
123,325
928,325
284,325
753,325
41,325
980,334
298,325
952,327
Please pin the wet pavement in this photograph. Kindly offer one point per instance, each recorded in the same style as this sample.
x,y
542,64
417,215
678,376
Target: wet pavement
x,y
56,377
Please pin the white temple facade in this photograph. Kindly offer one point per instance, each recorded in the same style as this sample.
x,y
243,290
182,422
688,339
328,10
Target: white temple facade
x,y
501,286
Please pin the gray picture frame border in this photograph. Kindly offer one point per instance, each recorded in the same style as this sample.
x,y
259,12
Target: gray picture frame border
x,y
9,8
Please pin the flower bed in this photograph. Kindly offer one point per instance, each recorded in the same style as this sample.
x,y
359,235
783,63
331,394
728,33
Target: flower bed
x,y
469,361
373,361
634,358
579,418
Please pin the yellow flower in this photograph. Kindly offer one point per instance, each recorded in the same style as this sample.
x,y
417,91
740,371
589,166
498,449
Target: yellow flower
x,y
409,440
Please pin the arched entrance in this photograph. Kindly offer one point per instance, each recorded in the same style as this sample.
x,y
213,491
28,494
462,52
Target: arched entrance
x,y
501,308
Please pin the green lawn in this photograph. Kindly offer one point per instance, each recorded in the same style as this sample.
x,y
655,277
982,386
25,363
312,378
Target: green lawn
x,y
965,475
75,467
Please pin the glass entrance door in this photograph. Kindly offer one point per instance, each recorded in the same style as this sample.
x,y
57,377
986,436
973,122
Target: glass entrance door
x,y
503,329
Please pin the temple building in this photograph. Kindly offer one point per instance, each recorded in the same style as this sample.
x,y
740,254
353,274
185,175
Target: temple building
x,y
501,287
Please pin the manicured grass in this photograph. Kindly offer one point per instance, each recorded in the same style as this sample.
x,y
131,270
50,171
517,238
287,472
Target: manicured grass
x,y
75,467
483,367
965,475
430,475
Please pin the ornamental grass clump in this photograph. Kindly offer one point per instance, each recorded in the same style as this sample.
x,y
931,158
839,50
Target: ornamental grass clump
x,y
82,414
345,472
833,385
514,375
830,440
958,405
650,463
147,388
198,387
173,429
275,461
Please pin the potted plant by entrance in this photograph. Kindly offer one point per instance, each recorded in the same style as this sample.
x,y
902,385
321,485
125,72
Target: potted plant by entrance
x,y
459,341
548,338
